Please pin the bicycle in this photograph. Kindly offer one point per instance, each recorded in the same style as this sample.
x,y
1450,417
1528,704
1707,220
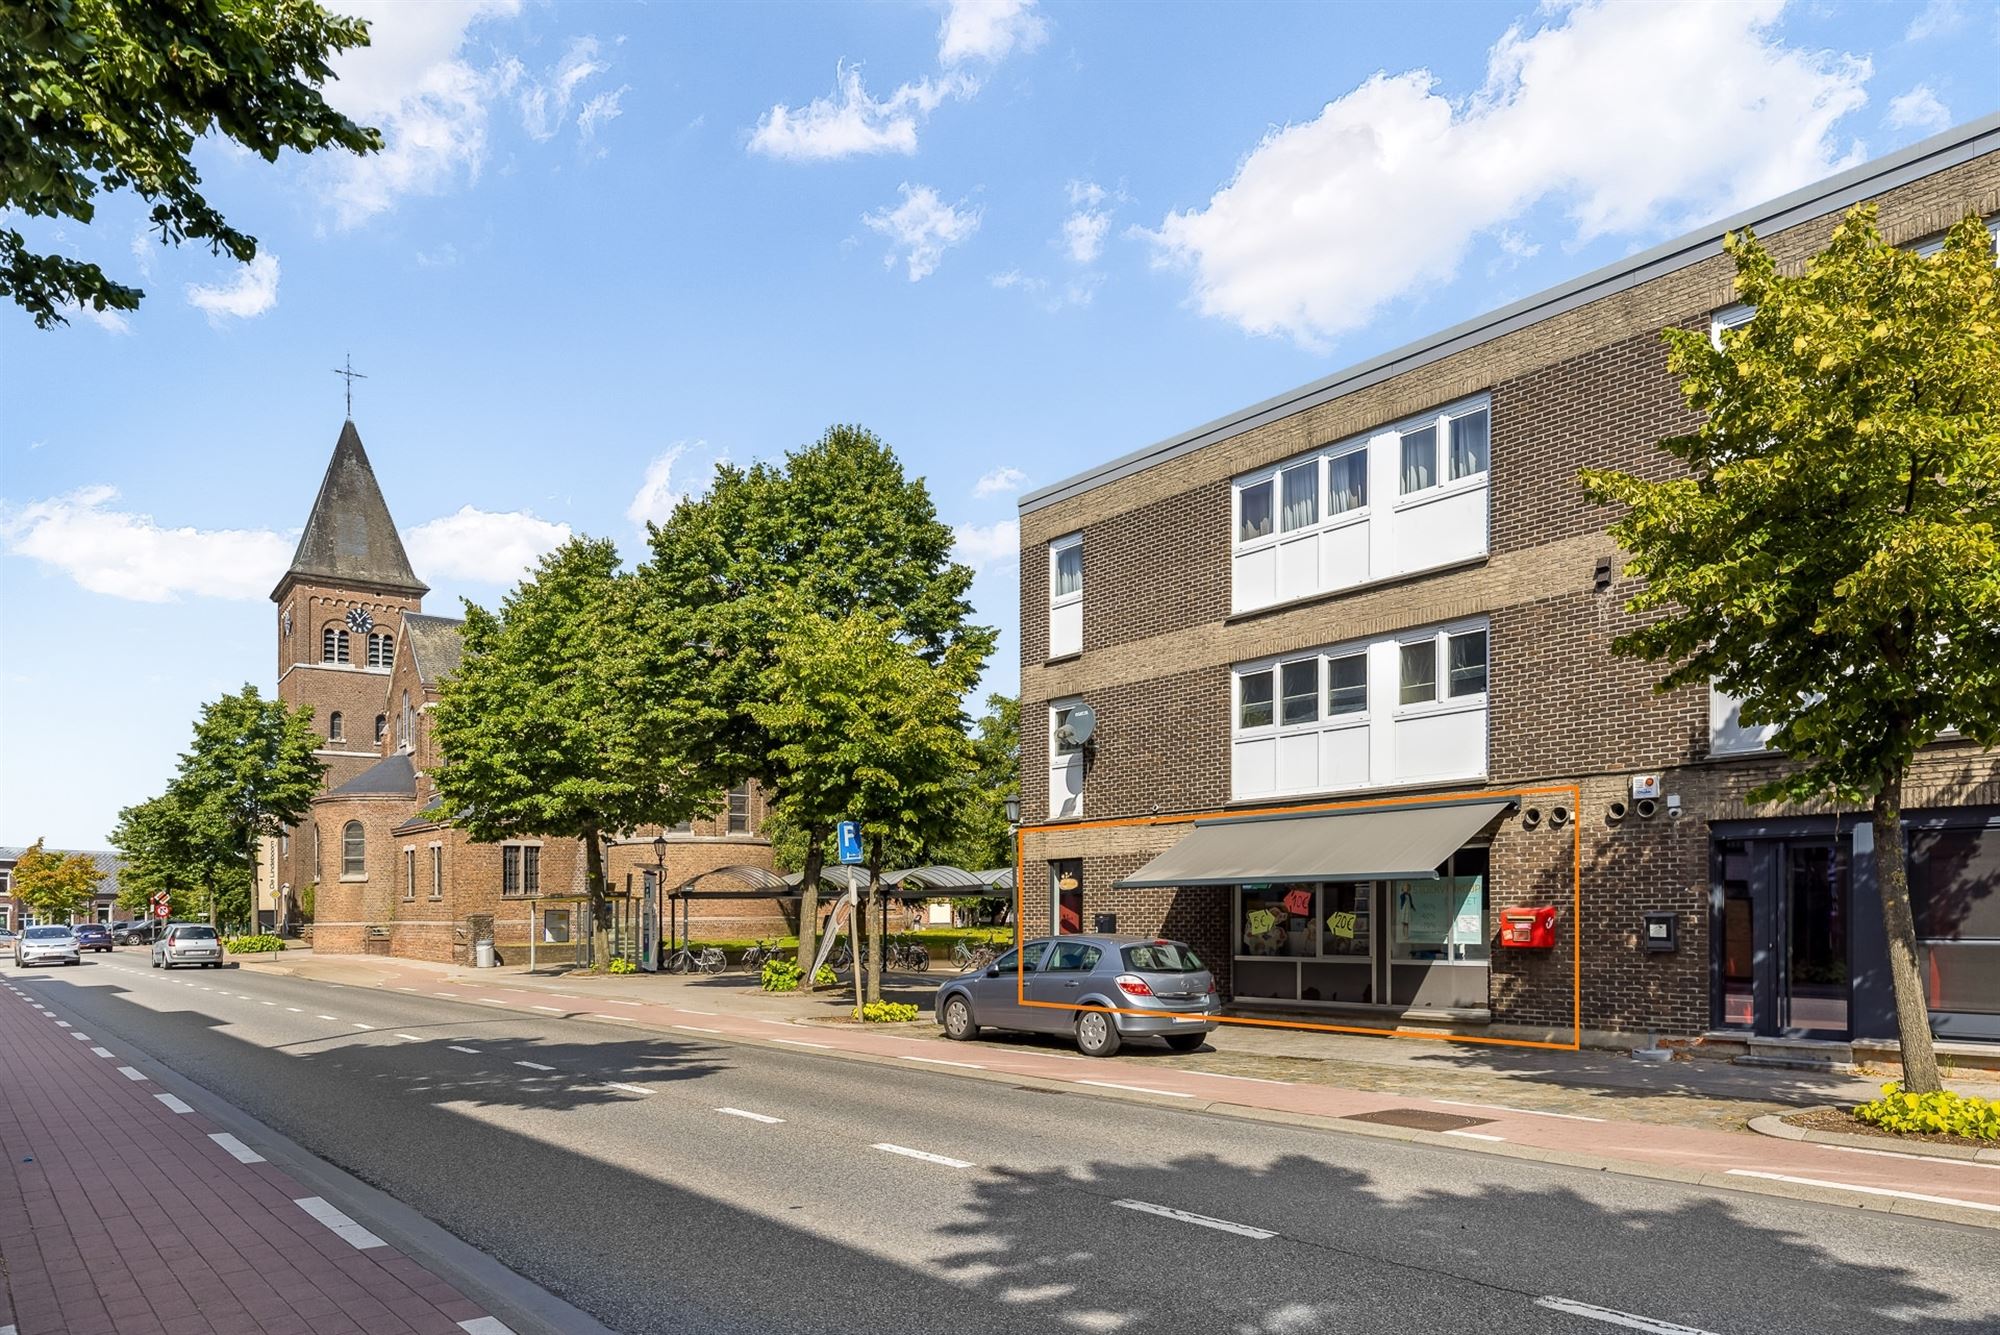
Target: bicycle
x,y
708,959
907,955
755,957
965,958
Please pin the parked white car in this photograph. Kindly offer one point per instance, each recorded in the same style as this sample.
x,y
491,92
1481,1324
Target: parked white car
x,y
46,945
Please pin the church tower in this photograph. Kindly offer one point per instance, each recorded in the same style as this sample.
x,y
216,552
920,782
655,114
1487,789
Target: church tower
x,y
340,609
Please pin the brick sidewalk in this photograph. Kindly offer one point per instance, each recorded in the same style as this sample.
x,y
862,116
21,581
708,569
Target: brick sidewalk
x,y
124,1212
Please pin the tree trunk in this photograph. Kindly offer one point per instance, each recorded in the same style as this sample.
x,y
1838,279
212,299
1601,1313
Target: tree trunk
x,y
809,903
1892,879
600,908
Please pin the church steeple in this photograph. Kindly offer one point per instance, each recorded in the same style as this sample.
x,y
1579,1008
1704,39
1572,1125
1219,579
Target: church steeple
x,y
350,540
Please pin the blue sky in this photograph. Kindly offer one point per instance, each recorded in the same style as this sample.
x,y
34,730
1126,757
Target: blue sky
x,y
608,244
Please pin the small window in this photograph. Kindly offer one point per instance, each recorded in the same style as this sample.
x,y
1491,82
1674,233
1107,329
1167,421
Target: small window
x,y
1058,717
353,850
1253,512
1468,663
1066,578
739,809
1419,678
1347,684
1420,451
437,871
531,869
1300,702
381,650
1253,709
381,726
510,869
334,731
1347,482
1470,441
1301,496
409,873
333,645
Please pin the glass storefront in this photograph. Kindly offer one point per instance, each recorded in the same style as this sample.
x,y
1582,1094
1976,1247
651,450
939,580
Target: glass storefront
x,y
1417,944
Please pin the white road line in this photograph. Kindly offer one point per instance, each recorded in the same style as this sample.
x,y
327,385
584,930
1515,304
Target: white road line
x,y
940,1061
102,1052
695,1029
629,1089
326,1017
295,1010
344,1228
1223,1225
564,996
237,1149
174,1104
358,1025
414,1038
1898,1154
801,1043
925,1155
267,1003
78,1033
755,1117
479,1325
1475,1135
406,989
535,1066
131,1073
1611,1317
613,1001
553,1010
1247,1079
782,1024
63,1024
601,1016
456,1048
1136,1089
1866,1191
448,996
1501,1107
689,1010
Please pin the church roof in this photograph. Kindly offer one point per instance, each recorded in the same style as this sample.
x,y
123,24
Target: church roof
x,y
437,642
349,537
391,776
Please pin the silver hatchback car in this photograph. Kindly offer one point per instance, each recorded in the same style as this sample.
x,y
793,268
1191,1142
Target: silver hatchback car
x,y
188,943
46,945
1138,987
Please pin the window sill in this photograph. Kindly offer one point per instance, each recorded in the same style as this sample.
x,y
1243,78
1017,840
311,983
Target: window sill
x,y
1350,590
1062,658
1443,491
354,880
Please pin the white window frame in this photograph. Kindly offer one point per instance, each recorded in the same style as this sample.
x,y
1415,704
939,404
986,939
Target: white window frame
x,y
1059,758
1442,701
1732,316
1440,424
1056,549
1061,603
1275,475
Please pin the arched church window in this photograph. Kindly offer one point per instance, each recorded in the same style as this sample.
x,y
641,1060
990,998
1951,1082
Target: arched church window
x,y
381,650
353,850
333,645
333,727
381,726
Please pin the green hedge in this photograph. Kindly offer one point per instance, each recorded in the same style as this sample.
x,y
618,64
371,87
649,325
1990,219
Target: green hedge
x,y
887,1012
1942,1113
253,945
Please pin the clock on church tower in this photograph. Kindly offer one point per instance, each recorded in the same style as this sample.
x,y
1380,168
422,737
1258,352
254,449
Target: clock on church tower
x,y
359,621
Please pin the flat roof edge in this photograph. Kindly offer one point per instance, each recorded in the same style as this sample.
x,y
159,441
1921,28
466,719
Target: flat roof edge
x,y
1925,157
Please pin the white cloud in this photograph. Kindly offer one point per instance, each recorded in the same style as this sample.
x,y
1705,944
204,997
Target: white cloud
x,y
110,321
1000,482
1380,196
985,545
1083,230
922,228
127,555
1918,109
545,103
600,110
483,546
430,104
659,492
1935,19
1051,297
851,122
142,251
989,30
251,291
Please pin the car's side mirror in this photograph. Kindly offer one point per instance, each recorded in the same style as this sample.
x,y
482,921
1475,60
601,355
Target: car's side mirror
x,y
993,971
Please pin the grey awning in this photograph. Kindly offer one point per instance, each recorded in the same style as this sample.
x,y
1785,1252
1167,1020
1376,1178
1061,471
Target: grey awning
x,y
1376,843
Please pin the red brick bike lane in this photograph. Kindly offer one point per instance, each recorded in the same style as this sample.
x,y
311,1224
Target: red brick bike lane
x,y
125,1211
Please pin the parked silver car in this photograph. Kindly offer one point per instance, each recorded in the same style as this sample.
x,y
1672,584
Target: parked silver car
x,y
1118,975
46,945
188,943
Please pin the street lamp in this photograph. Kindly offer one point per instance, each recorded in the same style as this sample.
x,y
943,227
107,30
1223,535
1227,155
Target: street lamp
x,y
1013,812
660,885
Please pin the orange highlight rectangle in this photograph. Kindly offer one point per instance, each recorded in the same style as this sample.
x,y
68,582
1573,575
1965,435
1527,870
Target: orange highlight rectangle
x,y
1575,792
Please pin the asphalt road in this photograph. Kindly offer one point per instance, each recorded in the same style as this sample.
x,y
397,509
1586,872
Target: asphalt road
x,y
680,1183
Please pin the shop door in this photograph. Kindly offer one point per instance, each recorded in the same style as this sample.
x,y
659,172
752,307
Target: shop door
x,y
1815,914
1781,916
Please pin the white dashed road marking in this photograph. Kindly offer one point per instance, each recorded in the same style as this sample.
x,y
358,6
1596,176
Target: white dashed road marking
x,y
1898,1154
629,1089
1474,1135
1501,1107
940,1061
1866,1191
1611,1317
553,1010
295,1010
801,1043
237,1149
344,1228
131,1073
755,1117
326,1017
412,1037
926,1156
1246,1079
456,1048
102,1052
535,1066
479,1325
83,1036
173,1104
696,1029
63,1024
1135,1089
358,1025
1168,1212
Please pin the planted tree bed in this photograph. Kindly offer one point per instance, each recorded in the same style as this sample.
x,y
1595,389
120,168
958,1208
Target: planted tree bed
x,y
1846,1123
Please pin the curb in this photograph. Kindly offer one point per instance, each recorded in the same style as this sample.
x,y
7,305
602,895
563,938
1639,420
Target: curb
x,y
524,1306
1774,1125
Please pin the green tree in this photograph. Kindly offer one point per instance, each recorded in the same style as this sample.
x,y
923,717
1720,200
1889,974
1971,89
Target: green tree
x,y
1830,557
107,95
982,836
55,886
575,713
864,726
839,528
163,846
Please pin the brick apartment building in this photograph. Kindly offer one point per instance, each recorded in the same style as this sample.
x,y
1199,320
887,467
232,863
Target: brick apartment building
x,y
104,907
387,873
1387,590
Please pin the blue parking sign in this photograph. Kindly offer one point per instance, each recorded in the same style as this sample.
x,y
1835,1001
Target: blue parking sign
x,y
848,834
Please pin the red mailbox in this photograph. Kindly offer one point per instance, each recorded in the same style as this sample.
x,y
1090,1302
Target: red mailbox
x,y
1534,927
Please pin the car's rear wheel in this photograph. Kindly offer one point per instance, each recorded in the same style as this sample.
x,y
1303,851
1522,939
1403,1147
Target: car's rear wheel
x,y
1185,1042
1096,1035
958,1022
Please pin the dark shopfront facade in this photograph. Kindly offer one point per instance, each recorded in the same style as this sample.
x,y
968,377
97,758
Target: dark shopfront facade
x,y
1798,947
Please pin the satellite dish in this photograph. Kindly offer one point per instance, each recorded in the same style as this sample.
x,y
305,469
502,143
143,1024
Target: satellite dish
x,y
1078,725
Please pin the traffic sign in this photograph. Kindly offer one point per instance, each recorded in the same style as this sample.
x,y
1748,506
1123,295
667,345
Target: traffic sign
x,y
848,834
162,906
